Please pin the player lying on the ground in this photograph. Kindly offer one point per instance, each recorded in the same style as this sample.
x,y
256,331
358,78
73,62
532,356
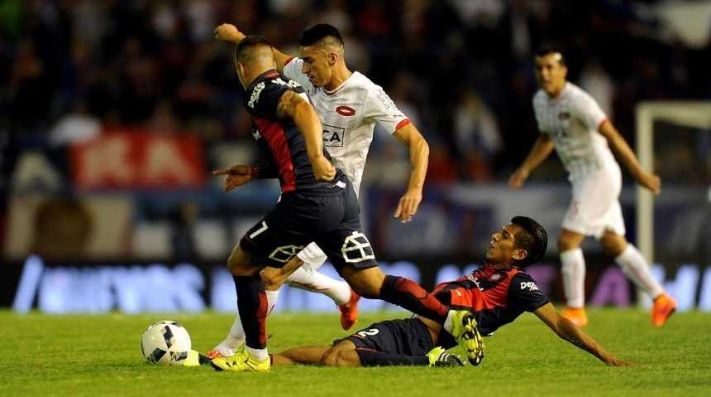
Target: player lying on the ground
x,y
318,204
497,293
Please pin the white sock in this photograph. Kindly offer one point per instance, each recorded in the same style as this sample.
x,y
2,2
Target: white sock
x,y
310,280
448,322
637,269
259,354
573,269
236,337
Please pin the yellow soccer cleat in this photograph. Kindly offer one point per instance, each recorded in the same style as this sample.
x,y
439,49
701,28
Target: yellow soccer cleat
x,y
438,357
466,333
240,362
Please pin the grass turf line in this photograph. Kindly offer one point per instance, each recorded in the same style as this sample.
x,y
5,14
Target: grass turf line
x,y
90,355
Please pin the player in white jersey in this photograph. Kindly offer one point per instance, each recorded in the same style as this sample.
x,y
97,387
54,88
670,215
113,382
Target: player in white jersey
x,y
571,121
349,105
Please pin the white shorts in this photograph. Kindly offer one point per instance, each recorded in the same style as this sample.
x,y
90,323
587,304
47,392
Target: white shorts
x,y
595,207
312,256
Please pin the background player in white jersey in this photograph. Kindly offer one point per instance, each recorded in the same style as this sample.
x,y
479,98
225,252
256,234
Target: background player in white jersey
x,y
349,105
571,121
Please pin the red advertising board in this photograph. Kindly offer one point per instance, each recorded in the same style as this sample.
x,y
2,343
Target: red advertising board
x,y
138,159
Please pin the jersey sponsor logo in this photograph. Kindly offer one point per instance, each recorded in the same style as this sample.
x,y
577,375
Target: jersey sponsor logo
x,y
345,111
333,136
356,248
254,98
564,116
367,332
284,253
529,285
290,83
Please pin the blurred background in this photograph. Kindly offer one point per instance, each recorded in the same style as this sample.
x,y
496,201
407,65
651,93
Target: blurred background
x,y
113,113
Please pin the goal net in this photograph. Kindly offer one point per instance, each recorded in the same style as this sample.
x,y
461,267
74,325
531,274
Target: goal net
x,y
674,139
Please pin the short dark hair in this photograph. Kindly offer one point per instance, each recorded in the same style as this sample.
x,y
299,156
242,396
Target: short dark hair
x,y
533,239
319,32
548,49
250,42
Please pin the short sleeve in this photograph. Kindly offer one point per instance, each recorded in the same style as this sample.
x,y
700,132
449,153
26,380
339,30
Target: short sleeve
x,y
525,293
292,70
380,108
587,110
538,112
262,99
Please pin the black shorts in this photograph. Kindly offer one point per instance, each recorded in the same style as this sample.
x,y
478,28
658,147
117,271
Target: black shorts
x,y
407,336
331,219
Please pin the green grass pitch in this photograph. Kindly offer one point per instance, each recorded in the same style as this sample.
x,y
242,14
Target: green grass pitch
x,y
99,355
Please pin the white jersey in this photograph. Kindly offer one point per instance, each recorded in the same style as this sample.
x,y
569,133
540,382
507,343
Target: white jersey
x,y
572,120
348,115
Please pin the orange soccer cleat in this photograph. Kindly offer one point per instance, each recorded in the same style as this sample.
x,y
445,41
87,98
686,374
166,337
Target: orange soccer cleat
x,y
664,306
576,315
349,311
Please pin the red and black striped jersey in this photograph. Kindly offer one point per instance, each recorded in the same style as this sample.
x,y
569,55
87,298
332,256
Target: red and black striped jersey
x,y
281,144
495,296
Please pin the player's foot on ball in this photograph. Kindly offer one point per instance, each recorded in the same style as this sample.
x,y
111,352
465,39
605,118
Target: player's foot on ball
x,y
438,357
576,315
466,333
240,362
349,311
195,359
664,306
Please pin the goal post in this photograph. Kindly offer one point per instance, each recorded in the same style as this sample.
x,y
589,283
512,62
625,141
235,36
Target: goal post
x,y
688,113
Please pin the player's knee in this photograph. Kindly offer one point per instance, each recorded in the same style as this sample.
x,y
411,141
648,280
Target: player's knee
x,y
338,358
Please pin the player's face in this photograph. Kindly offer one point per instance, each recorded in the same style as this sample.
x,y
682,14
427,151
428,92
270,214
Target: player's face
x,y
502,248
551,74
316,65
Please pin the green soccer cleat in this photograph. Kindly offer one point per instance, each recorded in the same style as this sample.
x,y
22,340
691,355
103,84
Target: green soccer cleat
x,y
240,362
466,333
439,357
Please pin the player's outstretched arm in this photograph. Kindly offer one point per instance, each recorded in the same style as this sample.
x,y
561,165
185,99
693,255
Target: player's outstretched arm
x,y
539,152
297,108
419,157
628,158
229,33
568,331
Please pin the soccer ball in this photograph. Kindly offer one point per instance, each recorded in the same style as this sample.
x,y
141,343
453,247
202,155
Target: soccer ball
x,y
166,343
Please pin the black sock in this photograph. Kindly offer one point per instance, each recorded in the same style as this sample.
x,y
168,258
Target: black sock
x,y
411,296
372,358
252,306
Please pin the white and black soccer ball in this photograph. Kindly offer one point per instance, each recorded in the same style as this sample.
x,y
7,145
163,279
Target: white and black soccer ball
x,y
166,343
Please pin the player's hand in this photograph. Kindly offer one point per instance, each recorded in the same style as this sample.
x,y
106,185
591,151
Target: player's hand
x,y
323,169
407,207
229,33
518,178
650,181
236,176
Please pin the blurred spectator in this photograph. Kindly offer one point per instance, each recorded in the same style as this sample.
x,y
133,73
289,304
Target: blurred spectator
x,y
475,127
75,127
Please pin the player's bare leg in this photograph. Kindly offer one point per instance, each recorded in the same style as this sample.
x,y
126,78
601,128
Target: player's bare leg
x,y
636,268
573,270
307,355
342,354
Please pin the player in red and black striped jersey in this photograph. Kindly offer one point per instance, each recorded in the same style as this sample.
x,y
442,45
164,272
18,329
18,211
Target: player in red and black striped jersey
x,y
496,293
318,204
